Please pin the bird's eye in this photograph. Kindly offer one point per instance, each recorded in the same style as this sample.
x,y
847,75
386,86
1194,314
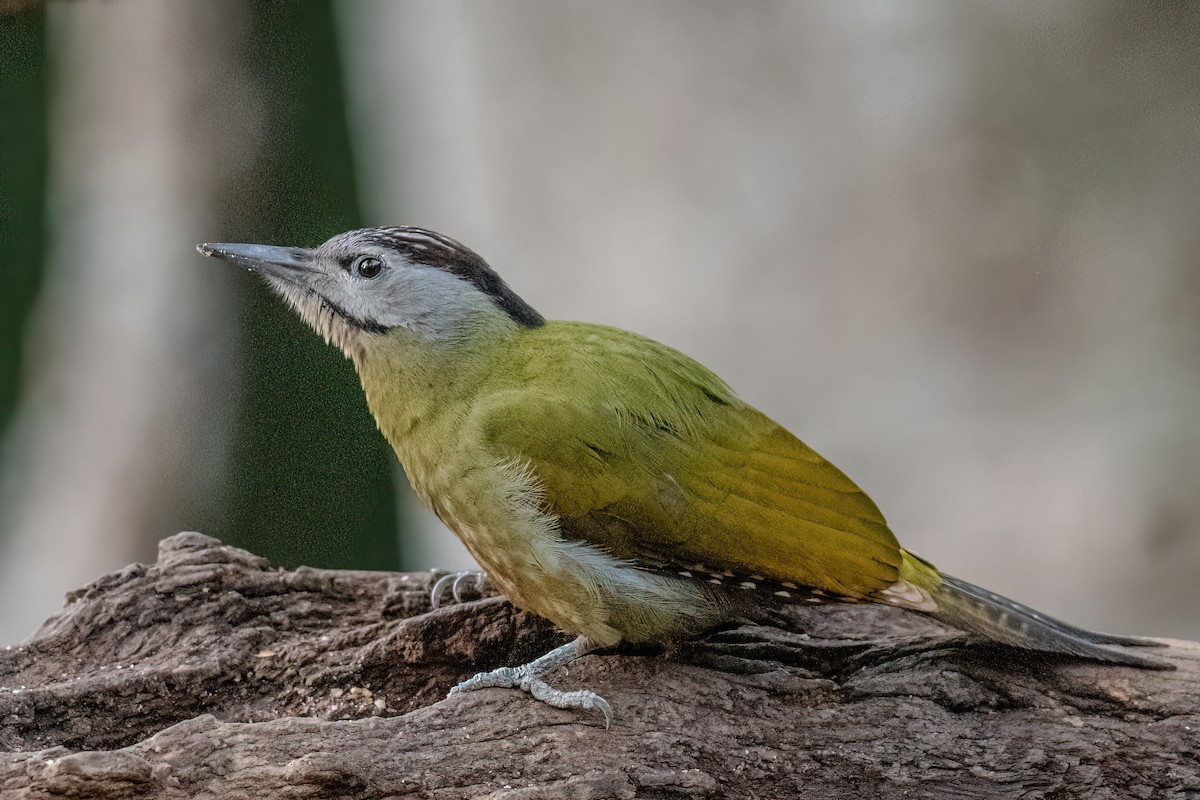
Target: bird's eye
x,y
369,267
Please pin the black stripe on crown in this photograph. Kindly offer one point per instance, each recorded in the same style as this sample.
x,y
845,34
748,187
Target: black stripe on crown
x,y
441,252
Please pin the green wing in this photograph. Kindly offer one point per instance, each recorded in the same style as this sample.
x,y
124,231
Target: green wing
x,y
647,454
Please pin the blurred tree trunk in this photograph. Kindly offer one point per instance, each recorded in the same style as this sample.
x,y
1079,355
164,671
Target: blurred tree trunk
x,y
174,124
121,428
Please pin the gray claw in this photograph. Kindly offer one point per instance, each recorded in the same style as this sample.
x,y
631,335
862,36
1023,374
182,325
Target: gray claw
x,y
583,699
454,586
454,581
528,678
439,586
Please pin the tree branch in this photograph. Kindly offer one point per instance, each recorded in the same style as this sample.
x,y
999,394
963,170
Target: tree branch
x,y
212,674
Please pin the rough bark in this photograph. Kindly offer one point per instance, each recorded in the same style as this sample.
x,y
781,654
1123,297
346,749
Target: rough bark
x,y
212,674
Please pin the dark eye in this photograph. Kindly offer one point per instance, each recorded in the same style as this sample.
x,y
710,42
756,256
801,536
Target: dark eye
x,y
369,266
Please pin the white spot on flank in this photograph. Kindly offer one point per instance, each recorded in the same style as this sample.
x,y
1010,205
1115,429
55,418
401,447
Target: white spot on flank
x,y
908,595
783,594
747,584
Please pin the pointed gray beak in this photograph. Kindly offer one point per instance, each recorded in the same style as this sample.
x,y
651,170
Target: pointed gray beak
x,y
286,263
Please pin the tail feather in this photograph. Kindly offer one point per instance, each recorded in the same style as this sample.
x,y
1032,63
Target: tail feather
x,y
971,608
976,610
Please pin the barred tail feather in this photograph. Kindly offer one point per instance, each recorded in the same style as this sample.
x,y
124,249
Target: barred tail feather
x,y
976,610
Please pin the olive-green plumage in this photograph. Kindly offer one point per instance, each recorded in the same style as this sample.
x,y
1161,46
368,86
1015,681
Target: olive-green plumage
x,y
634,449
638,450
602,479
645,453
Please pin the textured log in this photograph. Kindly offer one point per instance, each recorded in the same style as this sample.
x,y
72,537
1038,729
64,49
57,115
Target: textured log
x,y
212,674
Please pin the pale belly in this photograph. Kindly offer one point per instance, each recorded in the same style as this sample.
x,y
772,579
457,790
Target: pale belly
x,y
587,593
497,512
562,598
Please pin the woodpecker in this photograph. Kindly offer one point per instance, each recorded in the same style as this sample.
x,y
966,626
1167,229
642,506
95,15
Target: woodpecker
x,y
601,479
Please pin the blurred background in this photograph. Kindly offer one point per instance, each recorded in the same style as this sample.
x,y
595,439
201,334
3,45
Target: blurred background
x,y
953,246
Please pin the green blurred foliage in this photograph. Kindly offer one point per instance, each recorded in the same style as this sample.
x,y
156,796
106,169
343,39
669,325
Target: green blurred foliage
x,y
22,189
310,480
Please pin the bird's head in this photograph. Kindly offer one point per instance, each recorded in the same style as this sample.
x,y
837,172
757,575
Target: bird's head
x,y
364,284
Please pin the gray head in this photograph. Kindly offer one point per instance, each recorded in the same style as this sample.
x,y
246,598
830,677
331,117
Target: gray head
x,y
367,282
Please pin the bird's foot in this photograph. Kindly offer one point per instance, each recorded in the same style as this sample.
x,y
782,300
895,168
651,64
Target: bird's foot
x,y
528,678
457,582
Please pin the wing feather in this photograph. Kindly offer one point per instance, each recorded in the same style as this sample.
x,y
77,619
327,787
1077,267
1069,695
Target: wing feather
x,y
644,452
